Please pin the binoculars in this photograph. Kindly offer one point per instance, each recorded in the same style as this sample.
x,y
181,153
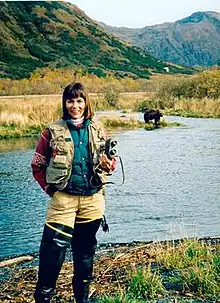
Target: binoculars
x,y
110,149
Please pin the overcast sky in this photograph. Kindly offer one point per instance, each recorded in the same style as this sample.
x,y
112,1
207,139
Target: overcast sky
x,y
140,13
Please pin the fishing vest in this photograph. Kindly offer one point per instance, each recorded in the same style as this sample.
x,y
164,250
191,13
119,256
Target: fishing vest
x,y
59,168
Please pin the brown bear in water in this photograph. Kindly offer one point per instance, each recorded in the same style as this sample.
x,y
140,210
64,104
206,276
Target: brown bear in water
x,y
152,114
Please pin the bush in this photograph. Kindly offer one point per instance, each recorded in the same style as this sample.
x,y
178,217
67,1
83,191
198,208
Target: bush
x,y
146,284
111,95
202,85
151,104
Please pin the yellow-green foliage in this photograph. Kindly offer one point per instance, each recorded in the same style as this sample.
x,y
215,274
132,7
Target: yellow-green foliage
x,y
198,265
191,96
190,107
200,108
203,85
145,284
192,266
48,81
115,122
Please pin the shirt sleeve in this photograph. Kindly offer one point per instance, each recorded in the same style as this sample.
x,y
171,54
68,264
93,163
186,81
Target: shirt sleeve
x,y
41,159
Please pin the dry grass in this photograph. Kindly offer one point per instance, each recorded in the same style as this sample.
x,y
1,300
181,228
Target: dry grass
x,y
204,108
34,109
142,271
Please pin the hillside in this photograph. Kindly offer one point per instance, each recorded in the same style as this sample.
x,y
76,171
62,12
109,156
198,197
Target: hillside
x,y
192,41
35,34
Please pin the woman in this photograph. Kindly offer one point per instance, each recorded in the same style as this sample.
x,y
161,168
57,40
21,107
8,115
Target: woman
x,y
70,166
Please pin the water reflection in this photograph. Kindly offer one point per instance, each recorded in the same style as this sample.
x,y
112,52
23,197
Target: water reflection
x,y
17,143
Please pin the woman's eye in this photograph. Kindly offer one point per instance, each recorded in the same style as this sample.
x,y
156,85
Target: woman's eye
x,y
79,101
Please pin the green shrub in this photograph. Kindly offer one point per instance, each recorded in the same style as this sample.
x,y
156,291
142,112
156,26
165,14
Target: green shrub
x,y
150,104
202,85
146,284
111,95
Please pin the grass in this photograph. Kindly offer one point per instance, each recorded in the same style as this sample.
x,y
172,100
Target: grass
x,y
198,267
185,107
13,131
189,269
124,123
27,115
173,271
145,284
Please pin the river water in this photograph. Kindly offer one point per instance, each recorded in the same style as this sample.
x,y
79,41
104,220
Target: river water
x,y
172,188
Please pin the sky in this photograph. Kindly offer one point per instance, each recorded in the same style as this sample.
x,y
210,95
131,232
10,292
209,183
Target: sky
x,y
140,13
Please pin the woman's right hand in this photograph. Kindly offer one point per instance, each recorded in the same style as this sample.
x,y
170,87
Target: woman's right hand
x,y
50,190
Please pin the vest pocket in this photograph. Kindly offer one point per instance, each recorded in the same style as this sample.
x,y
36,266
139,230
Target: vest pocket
x,y
60,161
56,175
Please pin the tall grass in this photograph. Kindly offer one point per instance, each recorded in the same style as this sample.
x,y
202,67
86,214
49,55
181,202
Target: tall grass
x,y
198,265
145,284
191,107
203,85
20,116
190,266
194,96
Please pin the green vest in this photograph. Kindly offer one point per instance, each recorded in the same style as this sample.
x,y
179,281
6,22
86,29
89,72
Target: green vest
x,y
60,165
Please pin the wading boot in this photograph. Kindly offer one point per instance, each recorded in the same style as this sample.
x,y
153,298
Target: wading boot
x,y
83,247
81,290
52,255
44,294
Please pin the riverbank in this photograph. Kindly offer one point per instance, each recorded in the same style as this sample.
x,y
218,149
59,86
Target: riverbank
x,y
165,272
110,123
26,116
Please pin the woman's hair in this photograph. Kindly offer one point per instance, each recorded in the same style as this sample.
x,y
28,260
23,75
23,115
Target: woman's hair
x,y
76,90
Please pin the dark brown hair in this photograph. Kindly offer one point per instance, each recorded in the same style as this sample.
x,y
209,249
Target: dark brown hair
x,y
76,90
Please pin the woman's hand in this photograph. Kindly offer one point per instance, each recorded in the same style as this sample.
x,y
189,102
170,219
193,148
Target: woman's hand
x,y
105,163
50,190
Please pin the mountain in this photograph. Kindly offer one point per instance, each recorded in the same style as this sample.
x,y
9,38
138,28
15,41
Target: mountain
x,y
191,41
35,34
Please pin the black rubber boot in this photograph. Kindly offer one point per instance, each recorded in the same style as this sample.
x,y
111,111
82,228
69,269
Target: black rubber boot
x,y
43,294
52,255
83,246
81,290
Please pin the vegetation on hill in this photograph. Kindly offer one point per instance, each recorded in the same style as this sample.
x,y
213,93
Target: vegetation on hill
x,y
37,34
192,41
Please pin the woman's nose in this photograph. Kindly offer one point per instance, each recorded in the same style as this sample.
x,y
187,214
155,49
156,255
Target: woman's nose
x,y
74,104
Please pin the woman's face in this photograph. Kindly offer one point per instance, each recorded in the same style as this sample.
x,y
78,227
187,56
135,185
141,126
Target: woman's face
x,y
76,107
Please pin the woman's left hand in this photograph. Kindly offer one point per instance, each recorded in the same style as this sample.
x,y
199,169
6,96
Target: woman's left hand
x,y
105,163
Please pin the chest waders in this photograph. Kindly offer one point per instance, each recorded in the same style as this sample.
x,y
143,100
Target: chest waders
x,y
52,255
55,240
